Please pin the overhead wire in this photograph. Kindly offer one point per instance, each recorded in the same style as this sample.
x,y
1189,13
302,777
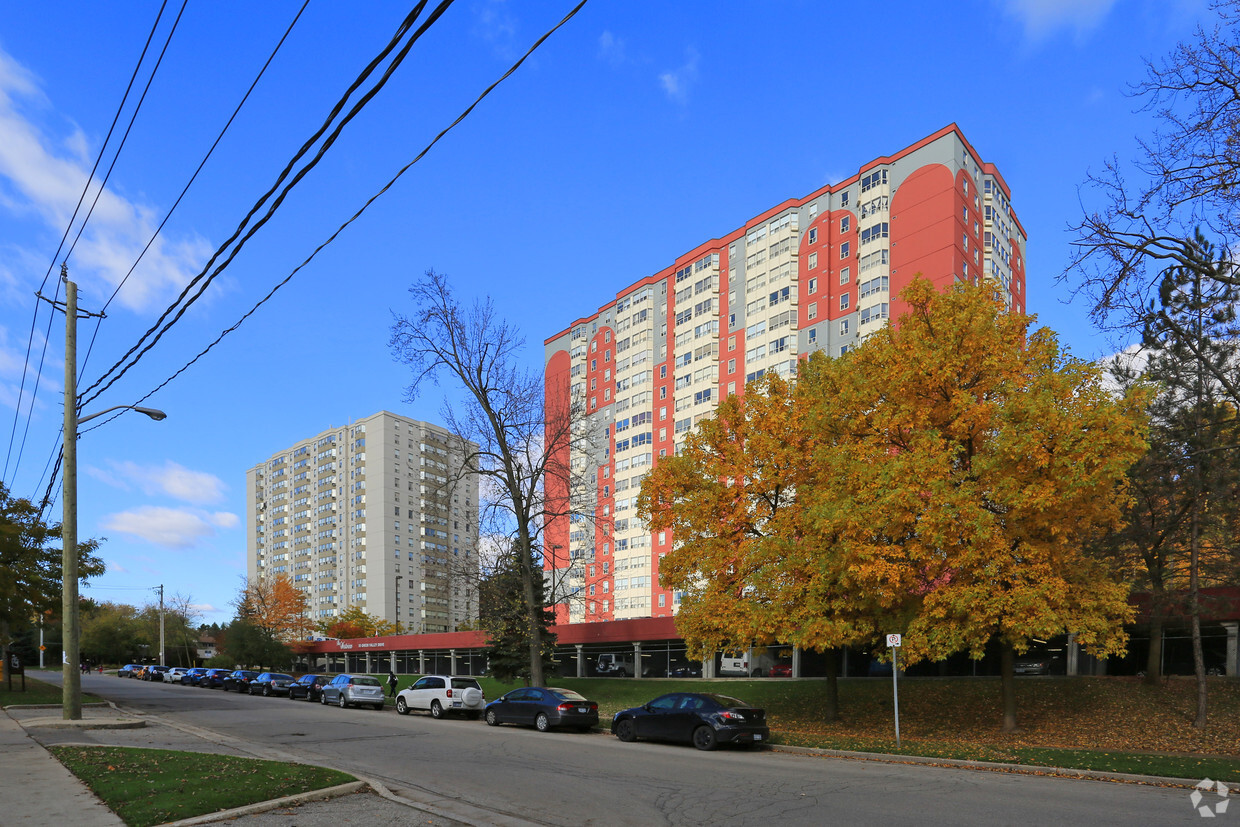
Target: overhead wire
x,y
357,214
193,178
200,282
69,228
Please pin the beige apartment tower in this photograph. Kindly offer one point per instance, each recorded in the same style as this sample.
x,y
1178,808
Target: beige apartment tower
x,y
378,514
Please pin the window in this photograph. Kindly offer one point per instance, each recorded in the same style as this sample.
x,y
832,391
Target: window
x,y
844,301
844,327
844,275
844,199
813,235
845,250
731,366
813,285
813,335
813,260
845,222
813,310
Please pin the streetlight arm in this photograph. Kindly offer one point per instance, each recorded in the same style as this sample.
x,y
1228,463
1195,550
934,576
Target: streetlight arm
x,y
153,413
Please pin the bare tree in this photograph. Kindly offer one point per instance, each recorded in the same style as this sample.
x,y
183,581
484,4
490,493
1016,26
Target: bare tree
x,y
521,437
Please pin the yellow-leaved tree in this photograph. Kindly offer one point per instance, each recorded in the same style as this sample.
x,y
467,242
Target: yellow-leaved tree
x,y
749,571
963,465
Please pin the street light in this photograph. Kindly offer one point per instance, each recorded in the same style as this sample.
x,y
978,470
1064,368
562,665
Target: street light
x,y
71,692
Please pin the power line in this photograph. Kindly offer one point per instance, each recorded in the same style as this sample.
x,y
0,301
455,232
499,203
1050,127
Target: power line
x,y
357,214
203,280
193,177
68,228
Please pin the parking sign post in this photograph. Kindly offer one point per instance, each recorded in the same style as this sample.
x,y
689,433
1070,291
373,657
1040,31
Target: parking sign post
x,y
893,641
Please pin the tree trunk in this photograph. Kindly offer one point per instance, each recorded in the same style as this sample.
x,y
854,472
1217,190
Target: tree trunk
x,y
1194,605
1153,662
1007,679
4,651
533,608
832,712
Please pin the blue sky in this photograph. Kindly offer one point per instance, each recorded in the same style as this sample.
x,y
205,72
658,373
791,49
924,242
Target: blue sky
x,y
638,131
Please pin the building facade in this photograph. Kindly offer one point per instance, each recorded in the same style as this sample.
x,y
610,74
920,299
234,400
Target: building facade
x,y
815,273
376,514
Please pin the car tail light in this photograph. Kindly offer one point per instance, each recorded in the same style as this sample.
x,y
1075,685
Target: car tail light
x,y
449,693
728,715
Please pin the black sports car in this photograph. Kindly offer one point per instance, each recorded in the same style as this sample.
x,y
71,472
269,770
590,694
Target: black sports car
x,y
702,719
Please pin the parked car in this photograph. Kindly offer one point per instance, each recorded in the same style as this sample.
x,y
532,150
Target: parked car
x,y
174,674
270,683
543,708
441,695
128,670
309,687
191,676
686,670
353,690
213,678
153,673
238,679
702,719
780,670
1039,664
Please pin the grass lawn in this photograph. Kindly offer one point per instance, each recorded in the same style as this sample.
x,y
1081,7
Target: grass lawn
x,y
1113,724
37,692
154,786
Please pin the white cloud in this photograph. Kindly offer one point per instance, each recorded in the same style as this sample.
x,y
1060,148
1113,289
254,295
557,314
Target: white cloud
x,y
168,527
611,49
494,24
41,178
12,363
1042,17
170,479
225,519
204,608
677,82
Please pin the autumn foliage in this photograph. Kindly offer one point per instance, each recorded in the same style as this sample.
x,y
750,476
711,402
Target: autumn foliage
x,y
355,622
276,607
941,481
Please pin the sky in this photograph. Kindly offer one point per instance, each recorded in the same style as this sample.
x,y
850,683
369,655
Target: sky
x,y
634,133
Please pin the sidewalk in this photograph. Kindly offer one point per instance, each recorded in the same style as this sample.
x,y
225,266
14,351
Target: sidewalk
x,y
37,788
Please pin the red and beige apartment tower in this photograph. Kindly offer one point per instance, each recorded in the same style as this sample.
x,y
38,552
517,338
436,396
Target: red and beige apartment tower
x,y
815,273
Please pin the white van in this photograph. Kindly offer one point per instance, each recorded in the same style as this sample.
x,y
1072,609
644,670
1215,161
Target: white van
x,y
747,664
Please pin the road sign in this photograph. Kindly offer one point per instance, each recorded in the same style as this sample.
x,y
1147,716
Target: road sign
x,y
893,640
42,648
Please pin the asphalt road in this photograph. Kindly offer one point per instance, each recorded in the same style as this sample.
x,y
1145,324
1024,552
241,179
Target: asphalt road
x,y
492,775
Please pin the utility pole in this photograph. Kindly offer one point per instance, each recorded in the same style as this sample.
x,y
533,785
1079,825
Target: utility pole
x,y
162,658
71,698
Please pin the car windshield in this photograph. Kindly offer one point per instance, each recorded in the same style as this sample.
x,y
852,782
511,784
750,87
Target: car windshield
x,y
366,681
278,677
566,695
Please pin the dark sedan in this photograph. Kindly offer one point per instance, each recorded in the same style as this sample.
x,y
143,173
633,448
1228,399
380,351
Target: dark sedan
x,y
191,676
543,708
239,679
702,719
270,683
213,678
308,687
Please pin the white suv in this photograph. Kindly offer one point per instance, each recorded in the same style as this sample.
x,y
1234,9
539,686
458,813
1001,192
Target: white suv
x,y
441,695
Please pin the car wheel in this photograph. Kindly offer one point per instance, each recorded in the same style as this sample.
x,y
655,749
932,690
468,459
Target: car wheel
x,y
541,723
266,691
402,708
492,718
704,738
436,710
322,698
625,730
341,702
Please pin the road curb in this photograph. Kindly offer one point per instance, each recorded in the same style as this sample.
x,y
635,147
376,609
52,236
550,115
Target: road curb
x,y
274,804
992,766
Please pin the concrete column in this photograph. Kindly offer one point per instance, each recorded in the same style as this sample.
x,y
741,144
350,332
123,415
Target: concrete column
x,y
796,661
421,661
708,668
368,670
1074,656
1233,651
581,660
393,664
451,661
637,660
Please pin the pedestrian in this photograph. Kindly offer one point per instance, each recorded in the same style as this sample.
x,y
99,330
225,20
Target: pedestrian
x,y
392,684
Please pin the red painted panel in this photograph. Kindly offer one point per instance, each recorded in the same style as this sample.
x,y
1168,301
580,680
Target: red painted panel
x,y
926,224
